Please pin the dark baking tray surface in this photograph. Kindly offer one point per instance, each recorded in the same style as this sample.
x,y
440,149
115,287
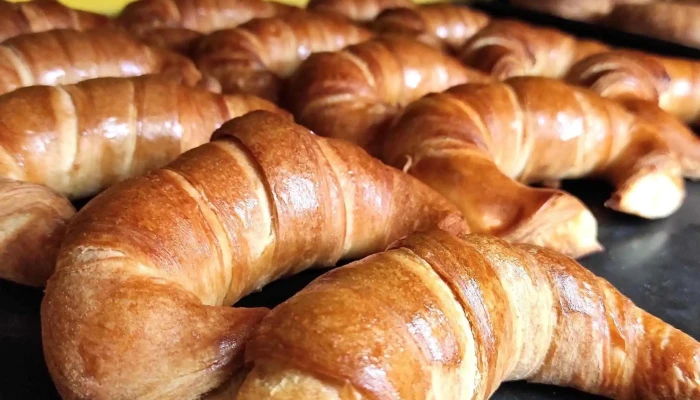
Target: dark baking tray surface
x,y
656,263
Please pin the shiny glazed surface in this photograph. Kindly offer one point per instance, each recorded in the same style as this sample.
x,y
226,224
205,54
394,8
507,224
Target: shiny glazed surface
x,y
40,16
80,139
451,318
353,94
441,25
202,16
357,10
258,56
471,141
64,56
149,268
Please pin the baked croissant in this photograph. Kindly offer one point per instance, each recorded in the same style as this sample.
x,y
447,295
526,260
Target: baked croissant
x,y
257,56
139,306
67,56
674,22
471,142
672,83
202,16
587,10
353,94
446,317
80,139
507,48
44,15
441,25
33,220
357,10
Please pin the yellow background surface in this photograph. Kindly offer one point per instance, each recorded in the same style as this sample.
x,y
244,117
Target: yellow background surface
x,y
113,6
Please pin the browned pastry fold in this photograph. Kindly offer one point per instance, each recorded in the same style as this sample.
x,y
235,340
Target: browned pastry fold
x,y
257,56
67,56
44,15
672,83
202,16
441,25
354,94
79,139
671,21
507,48
180,40
83,138
471,142
581,10
446,317
139,306
33,220
357,10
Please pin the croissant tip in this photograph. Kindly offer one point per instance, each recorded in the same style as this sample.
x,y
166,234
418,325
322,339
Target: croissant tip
x,y
651,195
564,224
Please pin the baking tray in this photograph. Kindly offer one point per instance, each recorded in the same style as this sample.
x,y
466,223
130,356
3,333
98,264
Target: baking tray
x,y
655,263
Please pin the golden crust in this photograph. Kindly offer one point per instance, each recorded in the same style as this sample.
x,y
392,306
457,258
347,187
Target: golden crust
x,y
445,317
171,251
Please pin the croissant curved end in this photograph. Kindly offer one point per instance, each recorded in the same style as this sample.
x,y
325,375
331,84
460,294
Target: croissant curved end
x,y
650,195
562,223
33,219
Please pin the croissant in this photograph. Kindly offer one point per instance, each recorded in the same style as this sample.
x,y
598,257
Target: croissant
x,y
674,22
588,10
357,10
672,83
44,15
66,56
33,219
83,138
441,25
257,56
139,304
445,317
471,141
507,48
79,139
353,94
202,16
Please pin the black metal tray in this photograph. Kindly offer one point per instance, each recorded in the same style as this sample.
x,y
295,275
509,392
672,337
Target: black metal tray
x,y
655,263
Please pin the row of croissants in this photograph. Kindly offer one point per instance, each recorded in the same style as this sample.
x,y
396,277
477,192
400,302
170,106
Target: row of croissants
x,y
193,119
670,20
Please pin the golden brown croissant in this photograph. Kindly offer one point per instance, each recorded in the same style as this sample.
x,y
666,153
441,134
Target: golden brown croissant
x,y
440,25
672,83
257,56
582,10
446,317
139,306
33,220
80,139
507,48
674,22
471,141
67,56
202,16
357,10
44,15
353,94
